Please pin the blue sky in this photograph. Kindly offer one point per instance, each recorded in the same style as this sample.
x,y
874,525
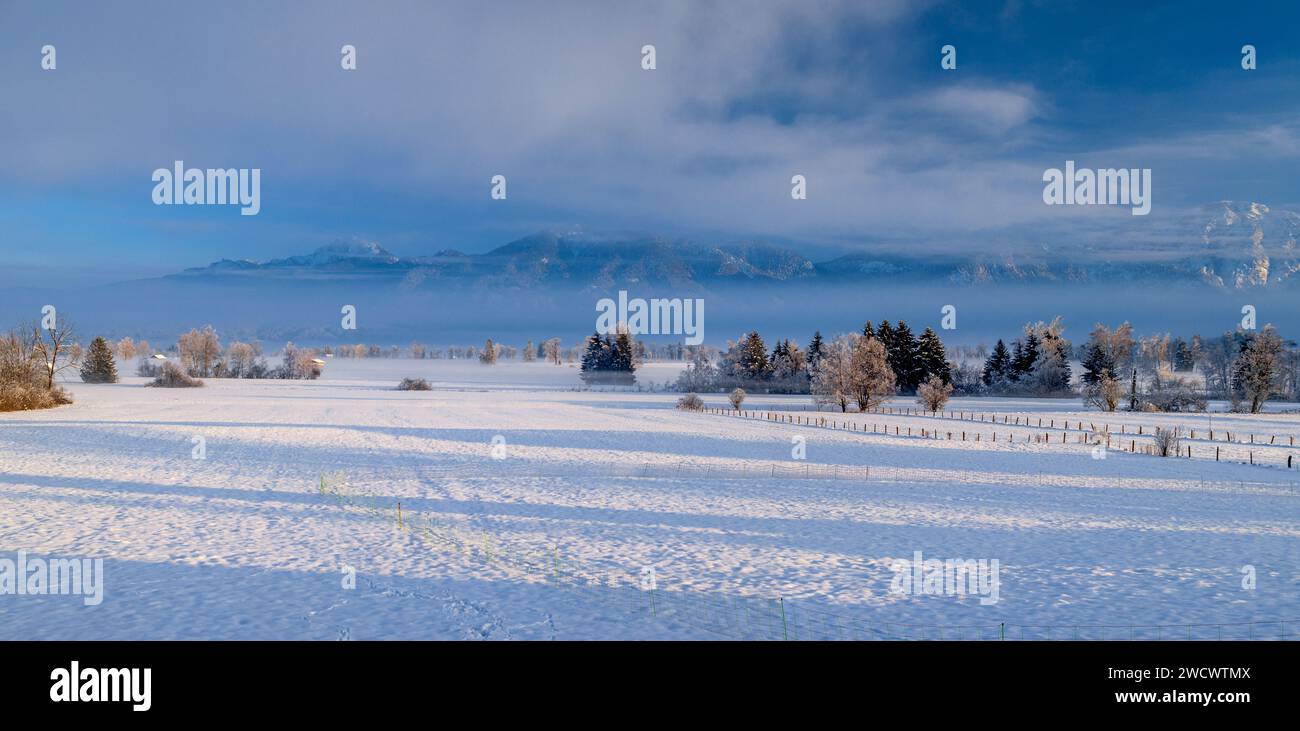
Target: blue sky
x,y
898,153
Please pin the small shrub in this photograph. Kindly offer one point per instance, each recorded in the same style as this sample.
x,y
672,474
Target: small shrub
x,y
933,394
1167,442
27,396
1105,394
173,376
414,384
737,398
690,402
1177,396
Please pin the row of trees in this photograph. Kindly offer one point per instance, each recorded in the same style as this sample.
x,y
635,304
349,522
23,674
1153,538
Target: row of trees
x,y
1037,363
201,355
609,360
1247,367
746,363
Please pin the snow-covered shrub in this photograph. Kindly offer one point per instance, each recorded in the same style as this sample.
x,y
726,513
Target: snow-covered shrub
x,y
1167,442
737,398
1176,395
173,376
690,402
414,384
1105,393
933,394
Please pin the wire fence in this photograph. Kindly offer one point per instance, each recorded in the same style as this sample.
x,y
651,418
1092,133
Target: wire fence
x,y
642,596
1148,443
1209,434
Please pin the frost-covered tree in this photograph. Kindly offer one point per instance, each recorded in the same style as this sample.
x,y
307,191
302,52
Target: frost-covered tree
x,y
489,354
789,368
835,378
873,380
753,363
700,375
199,351
737,398
1105,392
242,361
551,350
1257,371
1051,373
934,393
126,349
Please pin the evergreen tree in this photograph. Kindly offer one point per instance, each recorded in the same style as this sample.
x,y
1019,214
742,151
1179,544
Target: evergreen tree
x,y
885,334
1017,356
903,358
1183,356
868,331
778,352
1096,363
489,354
623,355
932,357
753,358
98,366
597,357
1024,364
814,352
997,368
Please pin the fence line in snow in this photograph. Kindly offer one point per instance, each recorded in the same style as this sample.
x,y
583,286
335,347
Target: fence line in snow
x,y
1208,434
1086,438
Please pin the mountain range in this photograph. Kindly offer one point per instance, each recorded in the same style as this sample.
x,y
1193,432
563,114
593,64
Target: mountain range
x,y
1230,246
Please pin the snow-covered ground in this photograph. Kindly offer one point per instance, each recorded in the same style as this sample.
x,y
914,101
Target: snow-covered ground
x,y
243,544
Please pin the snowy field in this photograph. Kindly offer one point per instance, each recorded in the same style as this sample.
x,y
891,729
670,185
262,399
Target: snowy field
x,y
242,544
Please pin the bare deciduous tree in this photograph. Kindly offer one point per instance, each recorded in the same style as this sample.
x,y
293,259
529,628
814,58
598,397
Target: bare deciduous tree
x,y
56,347
1105,394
